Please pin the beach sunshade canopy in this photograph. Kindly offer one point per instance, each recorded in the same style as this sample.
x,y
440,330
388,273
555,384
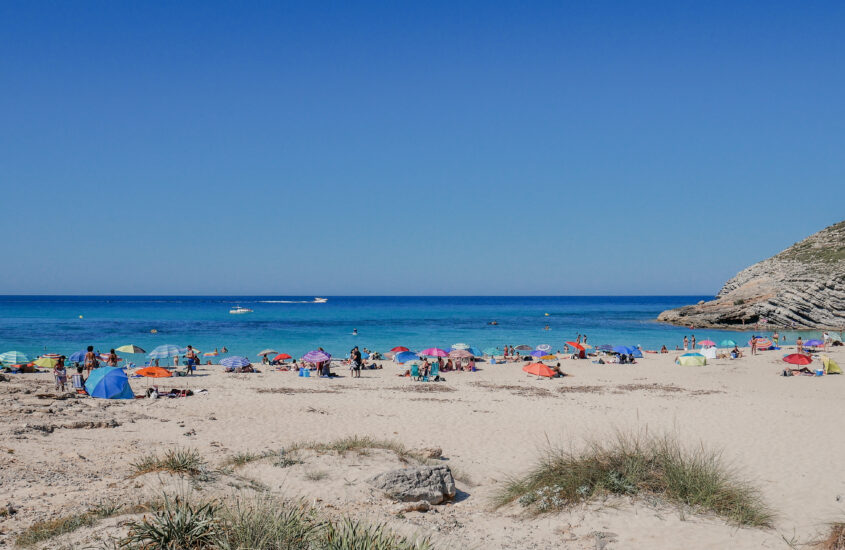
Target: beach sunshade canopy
x,y
77,357
316,356
692,360
435,352
460,353
539,369
627,350
282,357
13,358
130,348
830,366
727,344
460,346
762,343
399,349
707,343
266,352
235,361
405,356
523,347
210,354
492,351
544,347
548,357
798,359
538,353
154,372
475,351
165,351
109,383
813,343
46,362
576,345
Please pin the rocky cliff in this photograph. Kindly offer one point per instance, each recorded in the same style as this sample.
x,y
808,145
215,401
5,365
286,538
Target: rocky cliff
x,y
803,286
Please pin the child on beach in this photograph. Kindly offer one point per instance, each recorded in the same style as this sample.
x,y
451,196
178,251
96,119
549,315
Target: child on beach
x,y
60,373
77,380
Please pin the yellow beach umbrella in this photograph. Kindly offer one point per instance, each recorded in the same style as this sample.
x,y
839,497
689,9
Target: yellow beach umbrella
x,y
46,362
548,357
130,348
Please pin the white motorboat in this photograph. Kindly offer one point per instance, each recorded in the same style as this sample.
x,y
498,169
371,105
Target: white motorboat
x,y
239,310
320,300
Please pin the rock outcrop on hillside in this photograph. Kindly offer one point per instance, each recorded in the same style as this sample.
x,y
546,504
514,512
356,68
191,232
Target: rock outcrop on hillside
x,y
802,287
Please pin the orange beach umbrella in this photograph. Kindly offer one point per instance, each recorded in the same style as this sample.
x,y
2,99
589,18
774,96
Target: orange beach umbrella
x,y
539,369
154,372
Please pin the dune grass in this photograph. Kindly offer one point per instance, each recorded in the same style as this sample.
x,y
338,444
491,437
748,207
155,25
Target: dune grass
x,y
361,445
835,539
638,465
260,522
187,462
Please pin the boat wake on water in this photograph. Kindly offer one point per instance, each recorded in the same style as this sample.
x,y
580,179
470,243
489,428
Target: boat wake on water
x,y
314,301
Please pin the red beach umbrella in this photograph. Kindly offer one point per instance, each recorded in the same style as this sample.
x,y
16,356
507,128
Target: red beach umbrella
x,y
798,359
576,345
282,357
539,369
399,349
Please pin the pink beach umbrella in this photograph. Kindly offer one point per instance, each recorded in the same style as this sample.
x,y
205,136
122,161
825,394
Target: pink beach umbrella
x,y
460,353
707,343
435,352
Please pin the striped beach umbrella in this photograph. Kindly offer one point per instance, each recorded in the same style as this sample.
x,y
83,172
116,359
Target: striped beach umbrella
x,y
13,358
544,347
460,354
130,348
316,356
165,351
235,362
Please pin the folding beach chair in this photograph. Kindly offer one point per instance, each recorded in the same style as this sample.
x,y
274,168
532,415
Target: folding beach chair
x,y
415,371
435,371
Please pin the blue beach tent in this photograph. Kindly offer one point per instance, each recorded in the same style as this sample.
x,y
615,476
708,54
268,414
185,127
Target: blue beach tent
x,y
109,383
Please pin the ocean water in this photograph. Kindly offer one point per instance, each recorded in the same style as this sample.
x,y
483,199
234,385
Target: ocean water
x,y
65,324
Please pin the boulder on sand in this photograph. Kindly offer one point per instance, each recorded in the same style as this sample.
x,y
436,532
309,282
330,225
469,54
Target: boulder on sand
x,y
432,484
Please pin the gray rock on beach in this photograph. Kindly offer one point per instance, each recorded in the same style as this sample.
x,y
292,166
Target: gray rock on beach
x,y
432,484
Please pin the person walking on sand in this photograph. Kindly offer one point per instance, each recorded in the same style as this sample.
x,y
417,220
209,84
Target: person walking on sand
x,y
60,373
90,360
686,343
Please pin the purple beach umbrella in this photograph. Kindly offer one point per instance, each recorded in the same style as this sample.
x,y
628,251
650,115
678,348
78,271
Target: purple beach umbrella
x,y
316,356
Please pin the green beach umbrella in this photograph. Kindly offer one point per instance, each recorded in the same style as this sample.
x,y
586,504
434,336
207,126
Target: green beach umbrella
x,y
727,344
13,358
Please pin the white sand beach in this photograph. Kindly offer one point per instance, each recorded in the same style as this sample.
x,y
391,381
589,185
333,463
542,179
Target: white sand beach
x,y
782,434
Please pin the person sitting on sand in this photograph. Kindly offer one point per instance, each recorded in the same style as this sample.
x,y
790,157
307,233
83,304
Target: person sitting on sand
x,y
77,381
736,353
558,373
60,373
663,349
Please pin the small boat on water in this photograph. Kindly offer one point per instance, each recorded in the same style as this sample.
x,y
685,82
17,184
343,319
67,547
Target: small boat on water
x,y
239,310
320,300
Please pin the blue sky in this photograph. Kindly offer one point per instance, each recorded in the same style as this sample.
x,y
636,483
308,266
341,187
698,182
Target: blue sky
x,y
413,148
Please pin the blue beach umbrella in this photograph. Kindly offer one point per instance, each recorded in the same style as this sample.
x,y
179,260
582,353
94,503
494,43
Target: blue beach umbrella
x,y
538,353
637,353
475,352
77,357
405,356
813,343
165,351
692,355
727,344
235,361
109,383
623,349
13,358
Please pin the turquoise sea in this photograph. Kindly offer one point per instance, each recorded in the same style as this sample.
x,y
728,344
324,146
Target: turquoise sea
x,y
65,324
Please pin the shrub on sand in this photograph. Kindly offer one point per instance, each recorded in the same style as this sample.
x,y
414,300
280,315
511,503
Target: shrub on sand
x,y
835,539
638,465
176,461
178,524
352,535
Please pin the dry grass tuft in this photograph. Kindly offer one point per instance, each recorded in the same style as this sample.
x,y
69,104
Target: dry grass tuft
x,y
176,461
835,539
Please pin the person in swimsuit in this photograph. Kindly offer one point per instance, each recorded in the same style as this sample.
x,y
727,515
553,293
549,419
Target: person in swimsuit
x,y
112,362
90,360
60,373
191,356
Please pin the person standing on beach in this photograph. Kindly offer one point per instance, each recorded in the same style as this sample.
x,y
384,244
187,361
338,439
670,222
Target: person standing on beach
x,y
693,342
776,338
754,345
800,345
112,361
60,373
686,343
90,360
585,339
578,340
356,362
825,340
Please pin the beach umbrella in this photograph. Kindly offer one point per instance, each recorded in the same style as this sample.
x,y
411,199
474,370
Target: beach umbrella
x,y
405,356
727,344
109,383
235,361
539,369
210,354
282,357
692,354
813,343
475,351
104,357
762,343
576,345
154,372
435,352
77,357
538,353
316,356
523,347
707,343
399,349
548,357
165,351
798,359
492,351
460,346
627,350
544,347
130,348
460,353
13,358
46,362
266,352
